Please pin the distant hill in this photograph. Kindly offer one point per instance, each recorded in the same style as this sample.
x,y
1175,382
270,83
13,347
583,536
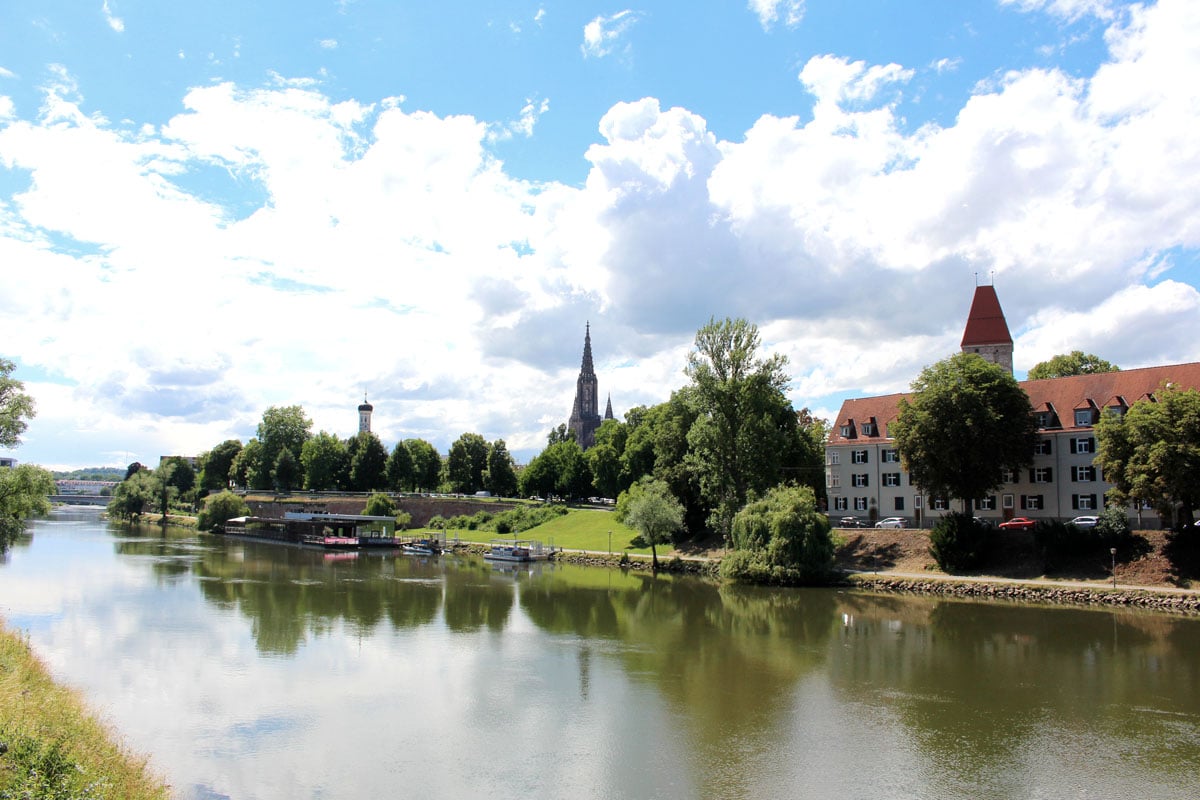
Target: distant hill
x,y
91,474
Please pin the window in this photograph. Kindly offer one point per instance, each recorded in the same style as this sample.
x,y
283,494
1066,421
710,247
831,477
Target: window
x,y
868,429
917,501
860,504
1043,447
1008,476
1041,475
859,456
940,504
859,479
1031,502
1008,501
986,503
847,431
1083,418
899,503
891,456
840,503
833,480
1084,444
1042,418
1083,502
835,457
1083,474
891,479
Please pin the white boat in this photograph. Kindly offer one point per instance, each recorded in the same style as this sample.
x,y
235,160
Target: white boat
x,y
516,550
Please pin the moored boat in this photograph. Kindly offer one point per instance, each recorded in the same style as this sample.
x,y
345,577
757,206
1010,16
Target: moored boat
x,y
516,550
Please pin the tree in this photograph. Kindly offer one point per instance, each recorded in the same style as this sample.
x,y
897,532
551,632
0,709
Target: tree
x,y
655,514
427,463
1151,453
215,465
780,539
368,463
136,466
466,463
560,434
183,476
400,469
380,505
1076,362
967,422
746,431
605,465
220,508
24,491
163,486
285,472
244,471
132,495
16,407
325,462
500,478
281,427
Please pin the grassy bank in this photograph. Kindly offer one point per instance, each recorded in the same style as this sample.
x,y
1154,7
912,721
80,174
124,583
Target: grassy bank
x,y
51,747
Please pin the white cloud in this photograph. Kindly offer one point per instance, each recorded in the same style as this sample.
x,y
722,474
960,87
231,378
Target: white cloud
x,y
771,11
523,126
1069,10
114,22
326,248
328,44
602,35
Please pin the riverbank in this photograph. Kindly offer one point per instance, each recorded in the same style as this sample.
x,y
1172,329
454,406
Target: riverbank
x,y
51,746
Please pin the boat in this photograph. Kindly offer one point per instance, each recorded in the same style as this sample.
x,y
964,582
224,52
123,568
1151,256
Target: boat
x,y
421,547
327,531
516,550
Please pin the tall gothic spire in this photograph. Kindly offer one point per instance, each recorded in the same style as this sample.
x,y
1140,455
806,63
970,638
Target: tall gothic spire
x,y
586,367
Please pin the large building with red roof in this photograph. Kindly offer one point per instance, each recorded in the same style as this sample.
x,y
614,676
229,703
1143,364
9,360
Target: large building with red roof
x,y
864,478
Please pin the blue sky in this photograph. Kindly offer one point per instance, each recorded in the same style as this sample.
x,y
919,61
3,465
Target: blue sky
x,y
208,209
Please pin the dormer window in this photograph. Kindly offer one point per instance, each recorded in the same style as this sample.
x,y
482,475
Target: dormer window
x,y
1083,418
847,431
868,429
1042,418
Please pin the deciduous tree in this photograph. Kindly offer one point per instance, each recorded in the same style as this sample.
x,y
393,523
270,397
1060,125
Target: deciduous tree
x,y
967,423
466,463
281,427
24,491
400,469
325,461
16,407
1151,454
781,539
427,463
368,463
216,465
655,514
1064,365
500,478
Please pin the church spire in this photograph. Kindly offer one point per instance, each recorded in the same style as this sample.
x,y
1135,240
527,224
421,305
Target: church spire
x,y
608,411
586,367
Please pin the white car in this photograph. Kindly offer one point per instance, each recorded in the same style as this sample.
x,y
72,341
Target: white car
x,y
890,522
1084,522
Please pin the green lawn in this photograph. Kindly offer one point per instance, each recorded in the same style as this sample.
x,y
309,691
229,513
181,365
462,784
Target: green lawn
x,y
578,529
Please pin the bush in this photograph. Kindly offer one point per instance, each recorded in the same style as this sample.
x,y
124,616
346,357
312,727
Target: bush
x,y
959,542
1059,541
380,505
403,520
780,539
1113,527
220,508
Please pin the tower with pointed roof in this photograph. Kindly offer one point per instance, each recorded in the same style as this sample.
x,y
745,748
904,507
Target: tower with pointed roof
x,y
585,414
987,333
364,416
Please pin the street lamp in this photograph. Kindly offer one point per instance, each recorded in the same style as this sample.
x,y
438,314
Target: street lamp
x,y
1113,552
610,543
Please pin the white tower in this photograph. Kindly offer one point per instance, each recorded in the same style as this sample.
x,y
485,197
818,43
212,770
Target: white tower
x,y
364,415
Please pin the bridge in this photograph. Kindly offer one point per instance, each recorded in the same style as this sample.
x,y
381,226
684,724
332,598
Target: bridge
x,y
80,499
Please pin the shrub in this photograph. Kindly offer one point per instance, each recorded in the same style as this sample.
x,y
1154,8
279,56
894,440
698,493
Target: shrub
x,y
780,539
380,505
403,520
1113,527
220,508
959,542
1059,541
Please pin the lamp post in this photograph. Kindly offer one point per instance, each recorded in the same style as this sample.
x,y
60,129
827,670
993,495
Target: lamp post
x,y
1112,551
610,543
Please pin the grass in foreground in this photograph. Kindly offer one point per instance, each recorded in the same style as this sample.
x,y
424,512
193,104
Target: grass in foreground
x,y
51,746
578,529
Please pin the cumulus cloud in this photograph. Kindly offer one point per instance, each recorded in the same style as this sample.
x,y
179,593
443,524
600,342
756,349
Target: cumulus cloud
x,y
603,34
523,126
790,12
329,247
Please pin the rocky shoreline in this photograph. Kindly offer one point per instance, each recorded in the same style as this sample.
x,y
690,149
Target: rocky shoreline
x,y
1031,593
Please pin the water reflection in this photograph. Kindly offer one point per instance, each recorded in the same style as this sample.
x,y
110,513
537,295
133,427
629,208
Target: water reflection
x,y
258,670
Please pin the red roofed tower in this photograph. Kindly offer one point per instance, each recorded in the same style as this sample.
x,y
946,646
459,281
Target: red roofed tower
x,y
987,333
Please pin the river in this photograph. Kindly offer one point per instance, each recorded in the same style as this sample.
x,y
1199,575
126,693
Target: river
x,y
249,670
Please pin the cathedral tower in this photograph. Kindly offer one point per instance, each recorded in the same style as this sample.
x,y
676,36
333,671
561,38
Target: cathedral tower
x,y
585,415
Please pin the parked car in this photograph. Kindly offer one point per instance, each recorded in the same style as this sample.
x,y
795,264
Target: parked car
x,y
1084,522
891,522
1018,524
850,522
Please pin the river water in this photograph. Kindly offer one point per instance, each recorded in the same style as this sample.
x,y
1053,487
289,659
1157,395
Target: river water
x,y
248,670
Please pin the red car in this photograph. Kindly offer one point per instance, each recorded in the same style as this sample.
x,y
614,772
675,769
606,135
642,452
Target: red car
x,y
1018,524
